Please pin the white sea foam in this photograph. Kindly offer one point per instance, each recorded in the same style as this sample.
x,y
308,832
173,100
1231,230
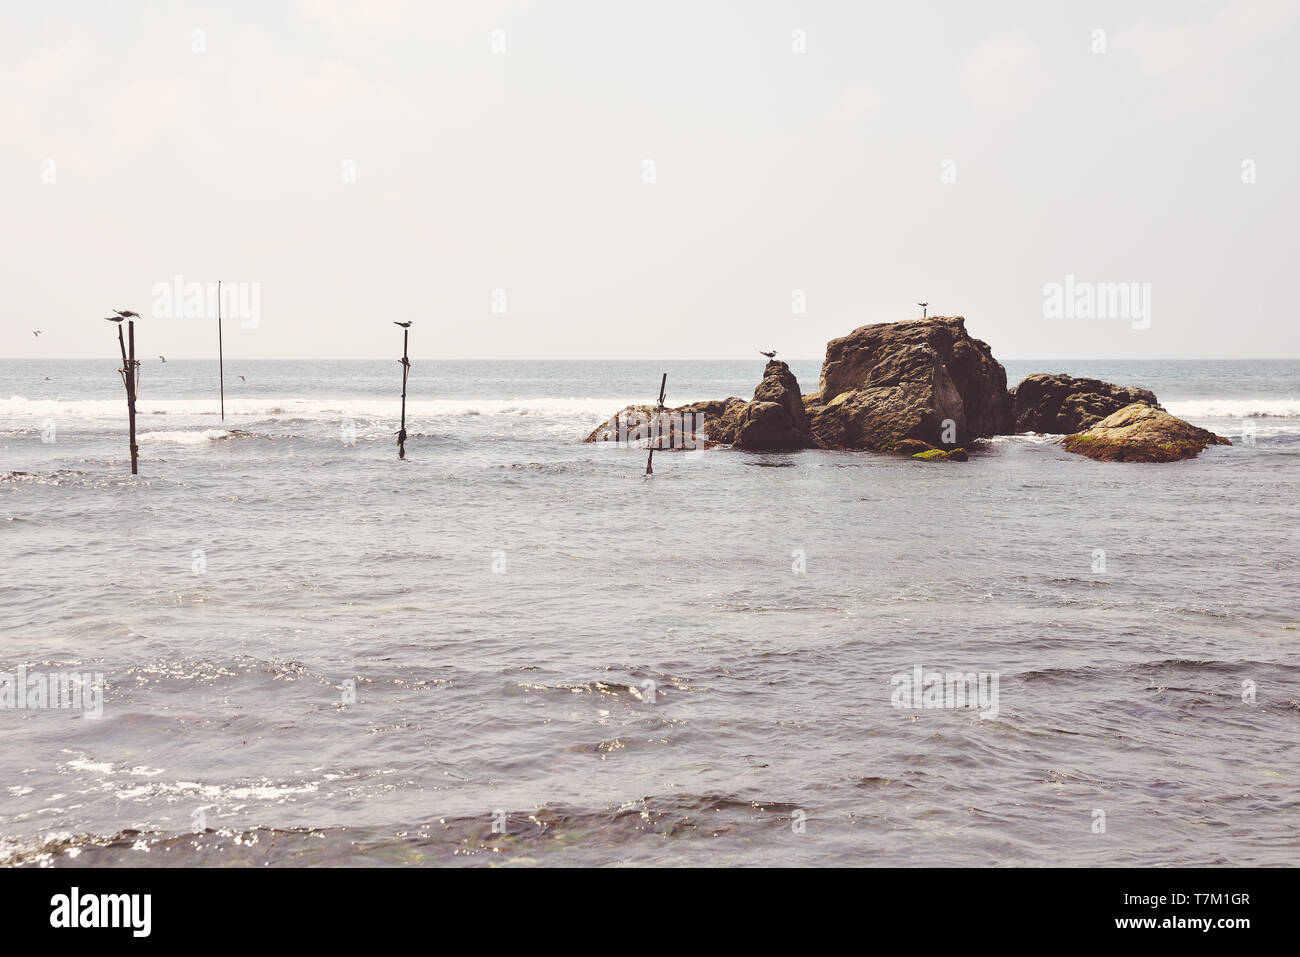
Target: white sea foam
x,y
1234,408
1024,438
177,437
317,407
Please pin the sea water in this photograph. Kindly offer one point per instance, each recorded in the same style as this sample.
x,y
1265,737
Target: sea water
x,y
513,647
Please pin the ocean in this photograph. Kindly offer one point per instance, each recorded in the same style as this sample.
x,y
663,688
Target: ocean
x,y
513,648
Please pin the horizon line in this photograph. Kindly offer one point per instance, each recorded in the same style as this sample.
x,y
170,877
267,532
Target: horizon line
x,y
185,358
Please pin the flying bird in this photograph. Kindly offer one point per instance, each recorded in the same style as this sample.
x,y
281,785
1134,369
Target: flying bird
x,y
127,313
924,306
36,332
404,325
242,379
163,358
768,354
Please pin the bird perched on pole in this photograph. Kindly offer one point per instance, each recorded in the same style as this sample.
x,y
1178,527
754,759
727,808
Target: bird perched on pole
x,y
114,318
770,355
404,325
924,306
127,313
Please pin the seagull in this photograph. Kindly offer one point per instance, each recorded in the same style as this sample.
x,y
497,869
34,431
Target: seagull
x,y
114,318
163,358
404,325
768,354
242,379
127,313
36,332
923,306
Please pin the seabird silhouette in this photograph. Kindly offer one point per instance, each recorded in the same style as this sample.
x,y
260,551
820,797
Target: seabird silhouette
x,y
404,325
114,318
924,306
768,354
163,358
242,379
127,313
36,332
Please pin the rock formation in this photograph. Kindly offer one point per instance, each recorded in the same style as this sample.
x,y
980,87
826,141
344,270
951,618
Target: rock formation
x,y
925,379
714,419
923,388
1142,433
775,418
1063,404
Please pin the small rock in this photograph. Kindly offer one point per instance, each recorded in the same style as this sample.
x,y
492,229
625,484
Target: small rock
x,y
1142,433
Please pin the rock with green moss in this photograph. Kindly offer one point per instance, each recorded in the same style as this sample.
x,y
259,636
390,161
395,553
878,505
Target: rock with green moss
x,y
1141,433
939,455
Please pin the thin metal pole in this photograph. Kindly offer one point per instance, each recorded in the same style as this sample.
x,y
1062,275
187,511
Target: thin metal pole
x,y
221,359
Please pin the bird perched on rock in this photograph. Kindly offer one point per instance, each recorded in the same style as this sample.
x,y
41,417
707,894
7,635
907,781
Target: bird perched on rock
x,y
404,325
768,354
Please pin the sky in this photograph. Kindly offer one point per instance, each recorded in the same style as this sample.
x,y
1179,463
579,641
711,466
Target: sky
x,y
673,180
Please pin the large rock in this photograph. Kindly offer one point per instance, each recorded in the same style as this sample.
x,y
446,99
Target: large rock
x,y
775,418
1062,404
1142,433
714,419
884,383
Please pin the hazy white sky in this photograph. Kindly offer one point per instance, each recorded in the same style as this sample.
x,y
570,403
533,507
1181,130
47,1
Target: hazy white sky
x,y
135,150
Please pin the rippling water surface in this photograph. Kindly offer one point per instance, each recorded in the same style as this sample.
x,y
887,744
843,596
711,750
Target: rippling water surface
x,y
316,654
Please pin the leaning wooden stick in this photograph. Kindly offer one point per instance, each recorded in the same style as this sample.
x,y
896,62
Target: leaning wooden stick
x,y
649,462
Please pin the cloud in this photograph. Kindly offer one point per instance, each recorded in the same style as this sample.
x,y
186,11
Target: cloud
x,y
1005,74
1207,50
853,103
146,108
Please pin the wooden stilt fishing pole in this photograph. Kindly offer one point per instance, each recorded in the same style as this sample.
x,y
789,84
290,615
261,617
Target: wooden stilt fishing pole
x,y
406,372
649,462
131,379
221,360
133,385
